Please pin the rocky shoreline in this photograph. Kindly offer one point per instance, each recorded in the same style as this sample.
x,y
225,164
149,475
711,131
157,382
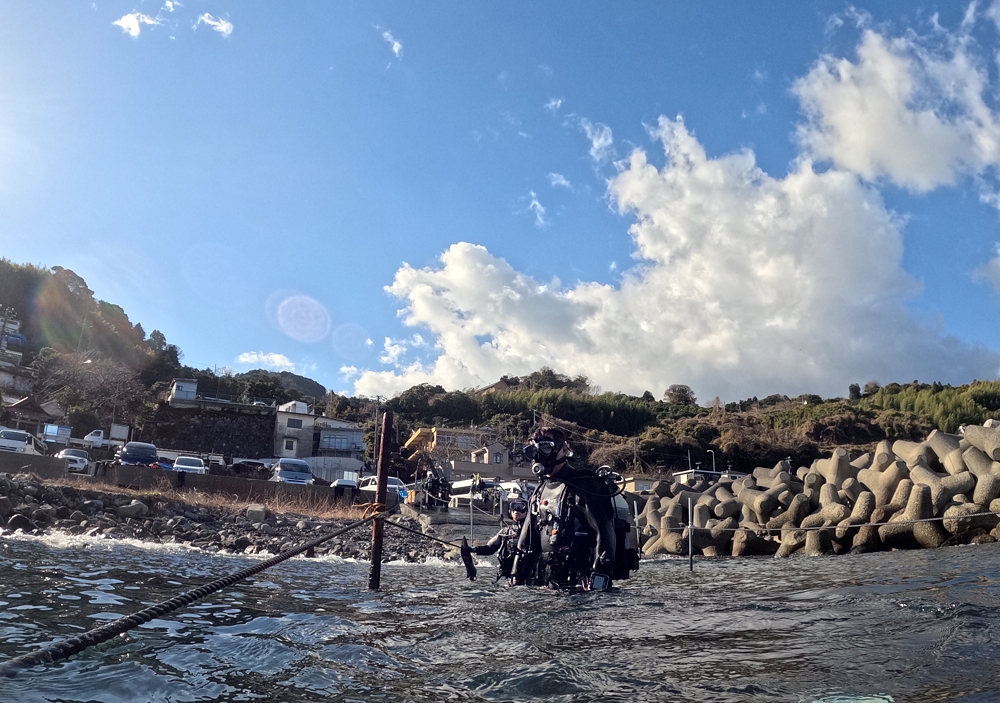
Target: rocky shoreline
x,y
34,507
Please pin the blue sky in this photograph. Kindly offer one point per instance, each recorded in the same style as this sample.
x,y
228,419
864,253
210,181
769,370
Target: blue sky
x,y
782,197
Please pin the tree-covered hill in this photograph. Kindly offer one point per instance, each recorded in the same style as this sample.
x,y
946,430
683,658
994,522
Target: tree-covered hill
x,y
101,366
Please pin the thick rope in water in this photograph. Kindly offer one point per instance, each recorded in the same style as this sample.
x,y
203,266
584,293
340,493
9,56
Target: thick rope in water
x,y
75,645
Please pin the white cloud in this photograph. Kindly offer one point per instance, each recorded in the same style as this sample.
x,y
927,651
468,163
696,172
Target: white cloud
x,y
223,27
745,282
601,141
990,272
132,23
554,104
394,45
271,361
557,180
909,109
538,209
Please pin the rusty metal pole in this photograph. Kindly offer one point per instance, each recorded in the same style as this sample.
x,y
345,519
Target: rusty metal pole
x,y
378,527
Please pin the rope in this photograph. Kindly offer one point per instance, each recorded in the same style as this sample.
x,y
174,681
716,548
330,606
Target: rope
x,y
418,532
67,648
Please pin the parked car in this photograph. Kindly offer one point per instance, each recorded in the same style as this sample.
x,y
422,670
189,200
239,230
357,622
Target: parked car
x,y
138,454
21,442
77,460
291,471
190,464
393,484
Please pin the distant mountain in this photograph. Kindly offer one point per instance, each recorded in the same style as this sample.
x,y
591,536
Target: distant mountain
x,y
289,381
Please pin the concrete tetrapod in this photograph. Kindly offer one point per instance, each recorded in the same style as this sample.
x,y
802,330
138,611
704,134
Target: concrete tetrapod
x,y
947,448
868,539
792,540
985,471
864,506
963,517
986,439
727,506
749,543
837,468
900,533
797,511
883,483
818,542
831,511
943,486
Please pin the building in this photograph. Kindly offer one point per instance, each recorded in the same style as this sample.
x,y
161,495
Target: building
x,y
293,431
467,452
338,449
448,442
182,389
26,414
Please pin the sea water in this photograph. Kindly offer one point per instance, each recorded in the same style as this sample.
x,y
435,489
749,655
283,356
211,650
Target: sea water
x,y
899,626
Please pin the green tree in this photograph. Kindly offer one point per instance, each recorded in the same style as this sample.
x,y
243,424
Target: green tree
x,y
679,394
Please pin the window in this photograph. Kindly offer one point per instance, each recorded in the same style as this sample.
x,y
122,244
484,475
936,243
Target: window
x,y
289,445
333,441
479,458
498,458
294,423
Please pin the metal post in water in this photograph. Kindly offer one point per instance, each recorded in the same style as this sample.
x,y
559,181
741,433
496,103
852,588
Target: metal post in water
x,y
378,527
471,491
690,536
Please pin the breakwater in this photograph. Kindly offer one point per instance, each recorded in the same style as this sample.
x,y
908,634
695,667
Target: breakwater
x,y
902,495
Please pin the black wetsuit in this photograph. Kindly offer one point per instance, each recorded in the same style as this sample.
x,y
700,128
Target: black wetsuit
x,y
504,542
570,531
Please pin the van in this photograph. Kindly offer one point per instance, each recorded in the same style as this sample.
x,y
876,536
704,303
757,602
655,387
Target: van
x,y
462,488
137,454
292,471
21,442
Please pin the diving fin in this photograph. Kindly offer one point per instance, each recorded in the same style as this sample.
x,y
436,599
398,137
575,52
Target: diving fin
x,y
470,568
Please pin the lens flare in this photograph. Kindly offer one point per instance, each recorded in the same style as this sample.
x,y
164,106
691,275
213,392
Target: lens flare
x,y
303,318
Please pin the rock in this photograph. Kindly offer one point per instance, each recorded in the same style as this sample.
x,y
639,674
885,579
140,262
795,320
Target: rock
x,y
256,513
20,522
134,509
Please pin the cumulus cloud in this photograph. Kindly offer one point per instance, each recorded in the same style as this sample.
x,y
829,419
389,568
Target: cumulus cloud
x,y
222,26
910,109
744,282
132,23
266,360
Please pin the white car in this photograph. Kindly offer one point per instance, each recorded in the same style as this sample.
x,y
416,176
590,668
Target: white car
x,y
291,471
77,460
190,464
393,484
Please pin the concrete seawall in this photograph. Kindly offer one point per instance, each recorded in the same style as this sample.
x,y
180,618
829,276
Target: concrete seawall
x,y
142,478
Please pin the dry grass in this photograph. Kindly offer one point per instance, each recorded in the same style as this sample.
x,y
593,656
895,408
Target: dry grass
x,y
311,507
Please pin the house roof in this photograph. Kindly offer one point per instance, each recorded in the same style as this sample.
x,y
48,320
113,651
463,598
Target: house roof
x,y
28,407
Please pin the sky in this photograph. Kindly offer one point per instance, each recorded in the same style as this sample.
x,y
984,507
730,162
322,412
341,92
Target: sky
x,y
745,198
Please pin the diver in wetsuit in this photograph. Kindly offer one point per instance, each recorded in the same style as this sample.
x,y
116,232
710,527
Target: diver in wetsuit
x,y
572,537
504,542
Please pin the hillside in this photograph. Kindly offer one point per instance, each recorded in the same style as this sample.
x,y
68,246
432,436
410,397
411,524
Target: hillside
x,y
304,387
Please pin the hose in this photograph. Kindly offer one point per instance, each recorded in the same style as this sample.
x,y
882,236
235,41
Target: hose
x,y
67,648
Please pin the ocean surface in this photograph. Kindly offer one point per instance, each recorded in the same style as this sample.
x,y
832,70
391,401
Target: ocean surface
x,y
900,626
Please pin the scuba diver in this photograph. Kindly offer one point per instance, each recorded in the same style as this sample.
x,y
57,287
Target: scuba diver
x,y
575,536
505,541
